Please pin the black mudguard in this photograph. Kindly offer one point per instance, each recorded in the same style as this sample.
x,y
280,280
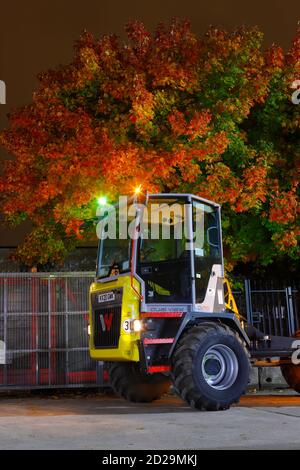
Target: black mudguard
x,y
227,318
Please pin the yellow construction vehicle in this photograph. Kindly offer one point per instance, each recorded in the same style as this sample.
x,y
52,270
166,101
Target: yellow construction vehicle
x,y
161,310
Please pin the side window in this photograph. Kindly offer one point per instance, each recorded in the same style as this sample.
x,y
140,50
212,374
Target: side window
x,y
207,248
206,231
163,260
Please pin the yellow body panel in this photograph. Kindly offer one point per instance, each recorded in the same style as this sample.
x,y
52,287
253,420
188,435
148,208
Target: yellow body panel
x,y
127,349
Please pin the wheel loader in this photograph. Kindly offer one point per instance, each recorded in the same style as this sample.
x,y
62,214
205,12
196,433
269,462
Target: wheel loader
x,y
162,313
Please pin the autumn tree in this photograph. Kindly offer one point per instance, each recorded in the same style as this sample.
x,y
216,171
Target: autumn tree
x,y
209,115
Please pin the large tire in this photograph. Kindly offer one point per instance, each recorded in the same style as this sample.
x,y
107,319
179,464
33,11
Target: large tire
x,y
128,381
210,367
291,372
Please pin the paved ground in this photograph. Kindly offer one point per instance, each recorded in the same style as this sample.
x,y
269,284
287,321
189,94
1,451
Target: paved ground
x,y
105,422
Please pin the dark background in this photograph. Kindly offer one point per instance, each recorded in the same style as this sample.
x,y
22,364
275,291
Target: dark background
x,y
38,34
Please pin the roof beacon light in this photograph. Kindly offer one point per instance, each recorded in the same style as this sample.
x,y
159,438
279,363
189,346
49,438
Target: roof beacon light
x,y
102,201
138,189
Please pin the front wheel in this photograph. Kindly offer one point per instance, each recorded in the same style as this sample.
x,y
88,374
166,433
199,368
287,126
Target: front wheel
x,y
210,367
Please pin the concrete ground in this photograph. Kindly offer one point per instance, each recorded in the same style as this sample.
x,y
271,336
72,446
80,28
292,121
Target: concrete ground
x,y
91,421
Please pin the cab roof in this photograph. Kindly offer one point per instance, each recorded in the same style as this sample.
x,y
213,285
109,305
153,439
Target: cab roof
x,y
188,196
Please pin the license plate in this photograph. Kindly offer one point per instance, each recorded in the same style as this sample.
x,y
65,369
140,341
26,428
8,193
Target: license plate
x,y
106,297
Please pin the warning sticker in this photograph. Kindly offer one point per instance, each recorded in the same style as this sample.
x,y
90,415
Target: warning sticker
x,y
126,325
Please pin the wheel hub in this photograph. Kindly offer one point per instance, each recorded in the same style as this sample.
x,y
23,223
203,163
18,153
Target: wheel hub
x,y
220,367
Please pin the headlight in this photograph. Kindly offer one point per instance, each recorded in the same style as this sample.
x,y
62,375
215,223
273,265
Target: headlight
x,y
137,325
89,330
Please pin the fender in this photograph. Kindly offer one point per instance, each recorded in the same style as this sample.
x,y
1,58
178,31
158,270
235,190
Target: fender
x,y
226,318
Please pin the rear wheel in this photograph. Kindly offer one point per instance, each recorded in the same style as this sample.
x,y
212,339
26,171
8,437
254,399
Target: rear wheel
x,y
210,367
291,372
128,381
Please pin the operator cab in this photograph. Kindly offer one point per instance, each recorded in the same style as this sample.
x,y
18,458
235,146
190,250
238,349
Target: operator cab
x,y
172,245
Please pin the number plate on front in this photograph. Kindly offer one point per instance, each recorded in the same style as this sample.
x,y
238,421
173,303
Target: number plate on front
x,y
106,297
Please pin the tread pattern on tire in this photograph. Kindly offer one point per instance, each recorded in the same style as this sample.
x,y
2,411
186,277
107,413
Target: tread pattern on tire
x,y
182,363
130,383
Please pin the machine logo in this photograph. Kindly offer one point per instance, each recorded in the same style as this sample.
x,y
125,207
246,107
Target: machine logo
x,y
106,297
106,321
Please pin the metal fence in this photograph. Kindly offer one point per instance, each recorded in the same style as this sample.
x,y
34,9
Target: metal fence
x,y
44,319
43,328
273,310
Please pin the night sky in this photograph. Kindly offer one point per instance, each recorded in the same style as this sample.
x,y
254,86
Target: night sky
x,y
38,34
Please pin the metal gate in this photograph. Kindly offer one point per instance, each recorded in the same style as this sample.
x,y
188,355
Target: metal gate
x,y
272,310
43,331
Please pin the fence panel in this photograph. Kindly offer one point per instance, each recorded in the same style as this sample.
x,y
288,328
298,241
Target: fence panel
x,y
43,323
272,310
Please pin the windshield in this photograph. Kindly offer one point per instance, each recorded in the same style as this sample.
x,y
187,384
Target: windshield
x,y
163,258
114,247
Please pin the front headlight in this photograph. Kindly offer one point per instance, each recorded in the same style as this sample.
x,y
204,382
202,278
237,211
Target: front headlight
x,y
137,325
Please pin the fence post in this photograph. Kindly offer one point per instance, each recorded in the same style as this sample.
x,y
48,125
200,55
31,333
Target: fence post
x,y
34,327
5,329
290,310
67,330
49,332
248,301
